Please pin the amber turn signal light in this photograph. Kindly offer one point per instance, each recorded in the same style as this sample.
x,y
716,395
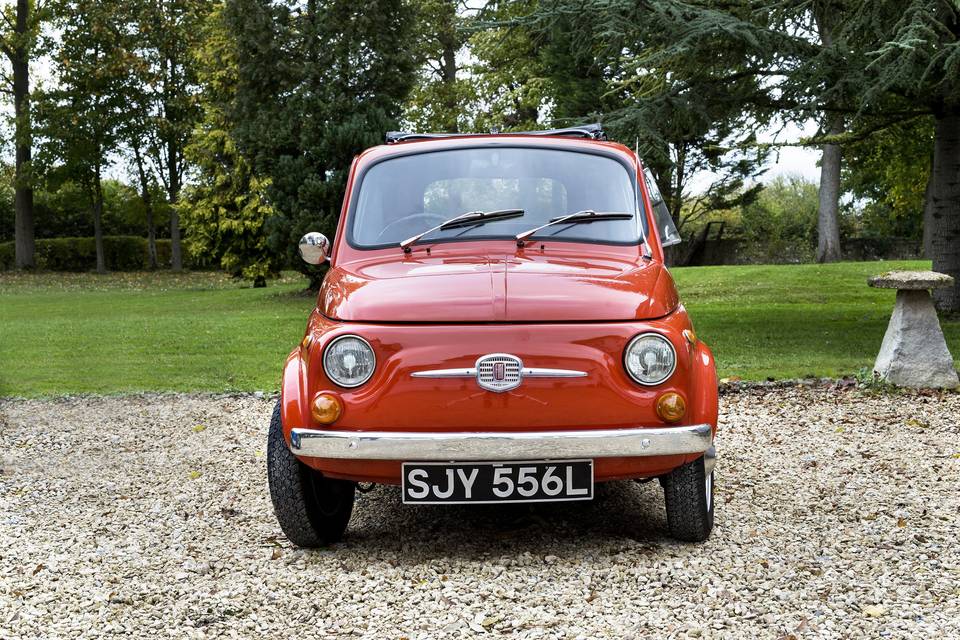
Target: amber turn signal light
x,y
671,407
690,336
326,408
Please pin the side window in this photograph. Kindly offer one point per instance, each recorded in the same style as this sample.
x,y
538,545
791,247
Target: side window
x,y
669,235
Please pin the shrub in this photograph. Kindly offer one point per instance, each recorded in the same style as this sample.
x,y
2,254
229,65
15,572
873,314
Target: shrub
x,y
781,226
121,253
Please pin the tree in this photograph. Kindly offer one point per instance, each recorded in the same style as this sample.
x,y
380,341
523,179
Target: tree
x,y
651,81
166,101
439,101
889,173
509,77
82,117
316,85
18,38
914,56
225,209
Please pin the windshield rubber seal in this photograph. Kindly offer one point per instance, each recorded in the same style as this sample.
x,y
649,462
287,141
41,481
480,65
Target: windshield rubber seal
x,y
631,172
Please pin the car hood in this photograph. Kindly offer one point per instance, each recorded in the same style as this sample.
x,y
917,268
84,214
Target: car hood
x,y
497,288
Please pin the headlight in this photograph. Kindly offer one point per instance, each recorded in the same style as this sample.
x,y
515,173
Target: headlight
x,y
349,361
650,358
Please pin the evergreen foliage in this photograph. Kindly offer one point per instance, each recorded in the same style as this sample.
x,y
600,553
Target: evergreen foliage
x,y
316,85
226,207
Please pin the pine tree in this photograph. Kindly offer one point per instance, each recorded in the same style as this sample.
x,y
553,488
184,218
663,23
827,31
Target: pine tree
x,y
316,85
225,209
913,48
638,67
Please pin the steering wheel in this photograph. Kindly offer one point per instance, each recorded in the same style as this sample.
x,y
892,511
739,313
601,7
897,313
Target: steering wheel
x,y
429,219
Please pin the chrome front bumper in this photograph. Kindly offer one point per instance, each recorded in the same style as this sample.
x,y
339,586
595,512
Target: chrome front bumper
x,y
529,445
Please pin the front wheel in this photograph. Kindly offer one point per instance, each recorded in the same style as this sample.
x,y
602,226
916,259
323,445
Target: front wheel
x,y
688,493
312,510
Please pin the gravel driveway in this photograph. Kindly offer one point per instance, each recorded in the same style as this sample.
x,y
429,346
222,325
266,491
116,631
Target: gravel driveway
x,y
148,516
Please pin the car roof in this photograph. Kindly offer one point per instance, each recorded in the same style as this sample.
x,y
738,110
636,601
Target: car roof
x,y
422,143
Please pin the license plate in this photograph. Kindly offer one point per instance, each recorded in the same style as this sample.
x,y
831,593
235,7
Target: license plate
x,y
486,482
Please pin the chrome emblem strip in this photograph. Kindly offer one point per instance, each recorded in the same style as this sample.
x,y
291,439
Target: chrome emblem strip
x,y
499,372
526,372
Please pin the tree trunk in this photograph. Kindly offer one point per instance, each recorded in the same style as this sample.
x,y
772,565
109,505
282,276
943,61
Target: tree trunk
x,y
173,167
98,220
927,216
148,207
23,183
945,208
828,217
176,256
449,67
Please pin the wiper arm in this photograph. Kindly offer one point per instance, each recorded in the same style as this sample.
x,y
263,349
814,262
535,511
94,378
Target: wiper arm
x,y
586,215
462,220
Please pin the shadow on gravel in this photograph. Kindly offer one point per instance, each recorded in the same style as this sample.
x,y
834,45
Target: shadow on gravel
x,y
620,512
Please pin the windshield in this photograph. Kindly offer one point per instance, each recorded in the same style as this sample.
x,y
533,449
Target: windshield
x,y
404,196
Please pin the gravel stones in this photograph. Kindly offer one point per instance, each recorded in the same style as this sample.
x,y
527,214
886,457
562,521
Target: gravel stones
x,y
836,517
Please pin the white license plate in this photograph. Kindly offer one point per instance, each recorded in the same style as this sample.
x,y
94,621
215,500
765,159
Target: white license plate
x,y
486,482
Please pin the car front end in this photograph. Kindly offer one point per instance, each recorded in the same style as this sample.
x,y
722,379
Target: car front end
x,y
488,366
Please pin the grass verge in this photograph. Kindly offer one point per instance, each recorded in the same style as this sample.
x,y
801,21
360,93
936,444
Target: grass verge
x,y
123,332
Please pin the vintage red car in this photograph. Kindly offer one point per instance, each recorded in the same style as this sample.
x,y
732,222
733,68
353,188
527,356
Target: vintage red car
x,y
497,325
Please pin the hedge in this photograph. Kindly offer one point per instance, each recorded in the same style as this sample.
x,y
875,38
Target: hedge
x,y
121,253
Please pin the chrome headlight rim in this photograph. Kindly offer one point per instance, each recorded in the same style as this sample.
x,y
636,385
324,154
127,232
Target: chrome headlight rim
x,y
650,334
326,351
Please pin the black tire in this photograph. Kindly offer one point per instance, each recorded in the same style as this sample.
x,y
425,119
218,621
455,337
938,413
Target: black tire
x,y
689,498
312,510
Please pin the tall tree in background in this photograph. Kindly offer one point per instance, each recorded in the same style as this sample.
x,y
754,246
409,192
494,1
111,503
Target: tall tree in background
x,y
317,83
82,118
828,16
169,32
683,101
439,101
225,207
508,73
915,56
18,37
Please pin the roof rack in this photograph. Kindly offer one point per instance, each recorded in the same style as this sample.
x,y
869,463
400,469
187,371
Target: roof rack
x,y
590,131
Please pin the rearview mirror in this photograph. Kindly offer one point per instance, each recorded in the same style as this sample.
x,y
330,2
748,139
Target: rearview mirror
x,y
314,248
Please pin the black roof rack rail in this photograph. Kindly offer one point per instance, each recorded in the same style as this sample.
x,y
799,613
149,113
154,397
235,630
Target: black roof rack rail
x,y
590,131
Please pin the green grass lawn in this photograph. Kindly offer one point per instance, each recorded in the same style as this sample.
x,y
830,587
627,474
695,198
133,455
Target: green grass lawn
x,y
70,333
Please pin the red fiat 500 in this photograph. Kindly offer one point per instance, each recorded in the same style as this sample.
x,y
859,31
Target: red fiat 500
x,y
497,325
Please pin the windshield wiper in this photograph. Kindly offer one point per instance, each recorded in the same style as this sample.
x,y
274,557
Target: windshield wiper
x,y
587,215
464,219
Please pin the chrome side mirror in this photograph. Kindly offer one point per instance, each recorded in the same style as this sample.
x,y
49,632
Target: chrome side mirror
x,y
314,248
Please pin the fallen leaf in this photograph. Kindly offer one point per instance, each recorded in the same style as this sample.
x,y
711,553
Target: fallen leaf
x,y
199,428
193,475
40,567
276,554
490,621
902,522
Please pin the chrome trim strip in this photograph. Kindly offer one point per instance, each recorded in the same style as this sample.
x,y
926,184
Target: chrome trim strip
x,y
446,373
498,445
525,372
538,372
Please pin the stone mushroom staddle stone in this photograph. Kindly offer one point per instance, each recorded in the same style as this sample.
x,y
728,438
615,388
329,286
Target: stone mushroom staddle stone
x,y
914,352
